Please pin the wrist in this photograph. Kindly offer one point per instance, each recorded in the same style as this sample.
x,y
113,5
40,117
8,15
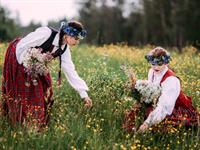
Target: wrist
x,y
85,98
146,124
83,94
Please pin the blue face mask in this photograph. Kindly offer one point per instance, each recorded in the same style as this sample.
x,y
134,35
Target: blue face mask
x,y
74,32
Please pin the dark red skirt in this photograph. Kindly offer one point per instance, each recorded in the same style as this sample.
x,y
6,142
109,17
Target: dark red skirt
x,y
24,104
182,116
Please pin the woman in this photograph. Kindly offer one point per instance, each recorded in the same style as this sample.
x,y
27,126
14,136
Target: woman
x,y
25,102
173,105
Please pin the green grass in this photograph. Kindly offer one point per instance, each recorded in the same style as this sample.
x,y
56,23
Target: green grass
x,y
74,127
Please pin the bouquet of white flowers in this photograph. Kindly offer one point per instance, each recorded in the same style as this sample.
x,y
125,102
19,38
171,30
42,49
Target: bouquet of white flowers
x,y
142,90
148,91
36,63
146,95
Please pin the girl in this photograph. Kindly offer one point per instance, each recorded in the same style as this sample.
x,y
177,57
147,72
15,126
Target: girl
x,y
31,103
173,105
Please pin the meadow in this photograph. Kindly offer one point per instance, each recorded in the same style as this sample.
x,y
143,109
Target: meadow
x,y
72,126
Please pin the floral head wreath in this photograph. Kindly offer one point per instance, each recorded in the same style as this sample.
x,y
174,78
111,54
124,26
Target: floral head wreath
x,y
158,60
73,31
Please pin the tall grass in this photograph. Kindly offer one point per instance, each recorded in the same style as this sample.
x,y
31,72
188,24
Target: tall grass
x,y
74,127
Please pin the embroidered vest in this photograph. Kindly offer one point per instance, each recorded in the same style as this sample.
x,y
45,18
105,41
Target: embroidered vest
x,y
182,99
48,47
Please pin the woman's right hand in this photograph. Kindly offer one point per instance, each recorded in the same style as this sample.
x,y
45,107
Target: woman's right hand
x,y
88,102
143,128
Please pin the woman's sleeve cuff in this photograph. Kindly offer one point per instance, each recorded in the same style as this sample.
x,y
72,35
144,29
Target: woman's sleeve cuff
x,y
83,94
147,122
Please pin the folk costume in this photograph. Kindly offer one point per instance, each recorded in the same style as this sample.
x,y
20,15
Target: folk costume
x,y
26,102
173,108
173,104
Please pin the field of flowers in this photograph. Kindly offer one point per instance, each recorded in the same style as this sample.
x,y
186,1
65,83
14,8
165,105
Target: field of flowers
x,y
74,127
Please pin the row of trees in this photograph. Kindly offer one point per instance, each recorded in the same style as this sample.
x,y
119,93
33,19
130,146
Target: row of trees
x,y
168,23
160,22
10,28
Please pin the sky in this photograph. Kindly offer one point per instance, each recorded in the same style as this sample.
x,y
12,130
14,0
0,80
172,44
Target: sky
x,y
41,10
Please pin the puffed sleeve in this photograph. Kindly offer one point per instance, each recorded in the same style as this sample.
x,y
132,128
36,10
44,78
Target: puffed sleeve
x,y
72,76
36,38
166,102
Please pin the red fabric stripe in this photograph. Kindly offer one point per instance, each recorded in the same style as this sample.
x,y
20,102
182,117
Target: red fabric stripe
x,y
23,103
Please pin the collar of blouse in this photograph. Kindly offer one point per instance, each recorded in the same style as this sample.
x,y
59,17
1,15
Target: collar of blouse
x,y
162,73
55,42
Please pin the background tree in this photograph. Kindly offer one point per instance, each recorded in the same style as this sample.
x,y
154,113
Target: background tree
x,y
104,23
158,22
29,28
8,27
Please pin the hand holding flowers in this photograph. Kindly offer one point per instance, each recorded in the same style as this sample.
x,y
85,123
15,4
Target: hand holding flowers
x,y
36,64
148,92
142,90
145,94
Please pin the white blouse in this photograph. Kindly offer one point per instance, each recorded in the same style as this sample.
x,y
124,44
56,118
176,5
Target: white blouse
x,y
167,100
38,37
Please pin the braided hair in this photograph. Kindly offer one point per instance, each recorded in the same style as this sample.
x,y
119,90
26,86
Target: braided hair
x,y
59,51
75,25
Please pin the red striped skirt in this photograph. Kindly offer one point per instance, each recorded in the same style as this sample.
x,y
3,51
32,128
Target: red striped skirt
x,y
24,104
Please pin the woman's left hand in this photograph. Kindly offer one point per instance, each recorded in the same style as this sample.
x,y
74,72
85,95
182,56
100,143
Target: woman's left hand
x,y
143,128
88,102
